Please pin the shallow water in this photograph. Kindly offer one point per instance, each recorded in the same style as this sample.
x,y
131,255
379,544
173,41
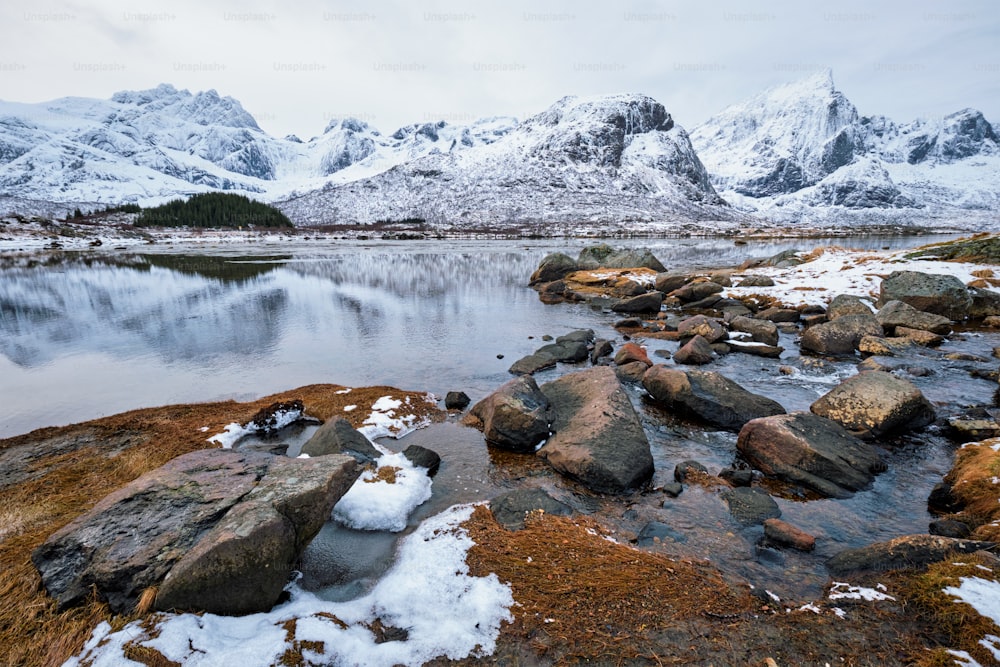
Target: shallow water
x,y
84,335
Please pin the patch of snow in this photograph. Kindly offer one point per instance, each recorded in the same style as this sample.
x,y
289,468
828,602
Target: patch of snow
x,y
845,591
992,644
982,595
383,422
230,436
374,504
810,607
839,612
963,658
343,391
349,408
386,404
428,592
772,595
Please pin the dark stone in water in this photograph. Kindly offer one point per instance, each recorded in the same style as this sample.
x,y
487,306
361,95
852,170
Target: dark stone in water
x,y
656,532
511,508
905,552
949,528
684,468
737,477
942,500
672,489
456,400
751,506
423,457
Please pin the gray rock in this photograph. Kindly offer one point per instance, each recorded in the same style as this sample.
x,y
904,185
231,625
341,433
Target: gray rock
x,y
606,257
949,528
531,364
215,530
672,489
751,506
873,404
632,371
909,551
668,282
756,349
840,336
757,281
649,302
737,477
553,266
598,437
456,400
683,469
696,291
511,508
885,347
847,304
761,331
709,396
919,336
985,303
699,325
779,315
657,532
423,457
337,436
810,451
898,314
602,348
567,351
578,336
784,259
515,416
932,293
696,351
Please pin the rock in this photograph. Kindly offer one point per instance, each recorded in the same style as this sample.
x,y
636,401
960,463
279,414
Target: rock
x,y
662,354
709,396
942,500
696,351
656,532
841,336
276,416
649,302
602,348
811,451
629,323
898,314
531,364
631,352
985,303
757,281
920,337
337,436
668,282
909,551
785,534
784,259
423,457
604,256
813,320
598,437
456,400
847,304
672,489
751,506
216,530
737,477
761,331
683,470
696,291
756,349
631,372
873,404
567,351
515,416
511,508
885,347
778,315
584,336
699,325
553,266
724,278
930,292
968,430
721,349
708,303
949,528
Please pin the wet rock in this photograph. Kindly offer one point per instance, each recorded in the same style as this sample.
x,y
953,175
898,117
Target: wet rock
x,y
732,308
751,506
969,430
602,348
756,349
784,259
631,372
566,351
511,508
696,291
778,315
899,314
813,320
909,551
930,292
604,256
720,349
757,281
985,303
649,302
598,437
885,347
456,400
216,530
656,532
514,417
553,266
785,534
810,451
696,351
337,436
631,352
271,419
629,323
699,325
847,304
942,500
579,336
554,292
873,404
737,477
424,458
672,489
531,364
841,336
949,528
761,331
706,395
919,336
668,282
708,303
683,470
724,278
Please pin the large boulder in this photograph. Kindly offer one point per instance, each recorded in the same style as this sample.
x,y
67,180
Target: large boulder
x,y
699,325
337,436
985,303
840,336
707,395
215,530
760,331
695,352
930,292
510,509
553,266
598,437
909,551
874,403
649,302
847,304
811,451
567,350
515,416
697,291
899,314
604,256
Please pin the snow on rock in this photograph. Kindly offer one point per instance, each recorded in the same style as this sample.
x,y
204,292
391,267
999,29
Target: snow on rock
x,y
428,593
384,502
844,591
384,422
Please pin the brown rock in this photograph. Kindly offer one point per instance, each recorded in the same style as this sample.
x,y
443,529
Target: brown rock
x,y
696,351
515,416
873,404
699,325
785,534
631,352
920,337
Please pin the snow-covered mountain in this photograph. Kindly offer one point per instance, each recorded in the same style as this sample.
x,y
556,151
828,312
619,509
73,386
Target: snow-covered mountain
x,y
152,145
802,151
617,158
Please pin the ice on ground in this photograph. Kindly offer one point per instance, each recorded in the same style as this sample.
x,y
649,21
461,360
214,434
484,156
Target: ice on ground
x,y
343,391
992,644
375,504
983,595
383,421
962,658
233,432
428,592
845,591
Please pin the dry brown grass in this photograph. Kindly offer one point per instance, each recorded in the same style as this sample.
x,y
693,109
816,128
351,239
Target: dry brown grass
x,y
971,477
104,455
582,597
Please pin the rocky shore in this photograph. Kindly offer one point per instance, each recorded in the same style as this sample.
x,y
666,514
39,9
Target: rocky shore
x,y
530,577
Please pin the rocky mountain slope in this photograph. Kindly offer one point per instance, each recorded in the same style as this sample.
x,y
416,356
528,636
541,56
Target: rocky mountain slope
x,y
802,151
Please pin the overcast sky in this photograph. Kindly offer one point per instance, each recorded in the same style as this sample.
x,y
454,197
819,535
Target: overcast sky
x,y
295,65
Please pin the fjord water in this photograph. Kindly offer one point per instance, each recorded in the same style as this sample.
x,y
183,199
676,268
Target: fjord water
x,y
89,334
